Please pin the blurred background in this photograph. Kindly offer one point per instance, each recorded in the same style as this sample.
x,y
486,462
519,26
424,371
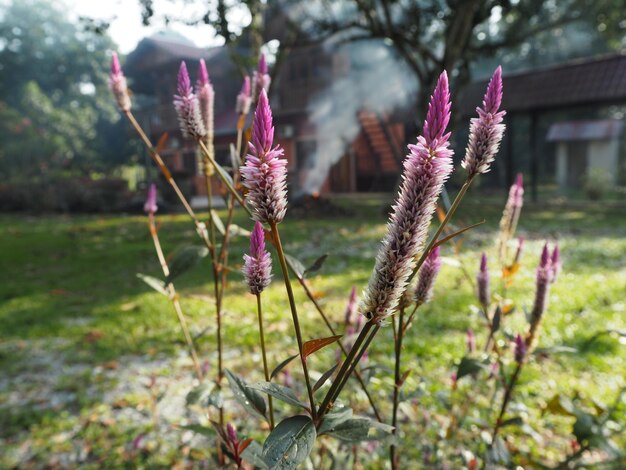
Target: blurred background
x,y
349,90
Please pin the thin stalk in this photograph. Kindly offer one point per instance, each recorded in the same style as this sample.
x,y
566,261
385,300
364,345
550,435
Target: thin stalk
x,y
264,355
354,364
410,319
505,401
344,368
453,207
333,332
396,389
174,298
223,175
294,315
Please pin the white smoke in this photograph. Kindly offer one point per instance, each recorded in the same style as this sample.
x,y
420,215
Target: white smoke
x,y
375,79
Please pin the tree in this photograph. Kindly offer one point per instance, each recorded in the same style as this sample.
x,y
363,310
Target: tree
x,y
54,102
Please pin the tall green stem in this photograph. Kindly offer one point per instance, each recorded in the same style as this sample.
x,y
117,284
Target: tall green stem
x,y
396,389
294,315
264,355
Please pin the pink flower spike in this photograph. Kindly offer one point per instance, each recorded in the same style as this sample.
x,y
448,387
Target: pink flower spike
x,y
470,341
426,169
150,207
188,107
482,283
542,287
486,130
520,349
438,115
231,433
257,268
427,275
555,262
351,307
260,78
117,83
203,78
206,100
244,98
264,173
262,67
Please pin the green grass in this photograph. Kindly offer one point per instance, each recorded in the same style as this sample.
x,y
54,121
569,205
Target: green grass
x,y
70,291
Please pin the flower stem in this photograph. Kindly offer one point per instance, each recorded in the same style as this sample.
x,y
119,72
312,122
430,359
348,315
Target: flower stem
x,y
396,389
264,355
294,315
174,299
505,401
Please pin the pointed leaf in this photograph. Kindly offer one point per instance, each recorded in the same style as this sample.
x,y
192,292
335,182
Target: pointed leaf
x,y
250,399
515,421
457,233
296,266
316,266
495,321
310,347
162,141
325,376
254,454
157,284
217,222
243,445
280,392
185,259
195,394
290,443
282,365
469,366
234,158
333,419
360,429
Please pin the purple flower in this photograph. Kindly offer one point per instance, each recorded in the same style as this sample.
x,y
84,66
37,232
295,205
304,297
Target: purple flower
x,y
150,207
544,275
486,130
188,107
555,263
260,78
117,83
520,349
510,215
257,267
265,172
426,277
231,433
482,283
206,100
470,341
351,307
426,168
244,98
493,369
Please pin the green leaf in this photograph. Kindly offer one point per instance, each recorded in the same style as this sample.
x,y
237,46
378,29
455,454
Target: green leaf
x,y
217,222
470,366
296,266
195,394
325,376
515,421
282,365
250,399
560,405
157,284
254,454
215,398
316,266
360,429
584,427
498,452
290,443
310,347
279,392
554,350
334,418
185,259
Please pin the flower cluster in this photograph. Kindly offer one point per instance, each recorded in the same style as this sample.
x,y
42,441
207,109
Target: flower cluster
x,y
265,172
260,78
117,83
206,100
244,98
188,107
257,267
511,213
482,283
426,277
150,207
426,168
486,130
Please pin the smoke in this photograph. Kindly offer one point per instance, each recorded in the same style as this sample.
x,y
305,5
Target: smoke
x,y
375,79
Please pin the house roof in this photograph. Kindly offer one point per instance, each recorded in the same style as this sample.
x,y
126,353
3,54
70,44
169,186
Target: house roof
x,y
585,130
578,82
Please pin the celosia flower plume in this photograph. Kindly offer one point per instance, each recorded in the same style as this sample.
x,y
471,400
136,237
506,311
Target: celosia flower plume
x,y
351,307
426,276
486,130
150,207
511,213
482,283
426,168
206,100
542,287
260,78
117,83
244,98
520,349
257,267
555,263
188,107
265,172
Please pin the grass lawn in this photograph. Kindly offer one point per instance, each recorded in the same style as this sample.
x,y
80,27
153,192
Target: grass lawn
x,y
81,335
